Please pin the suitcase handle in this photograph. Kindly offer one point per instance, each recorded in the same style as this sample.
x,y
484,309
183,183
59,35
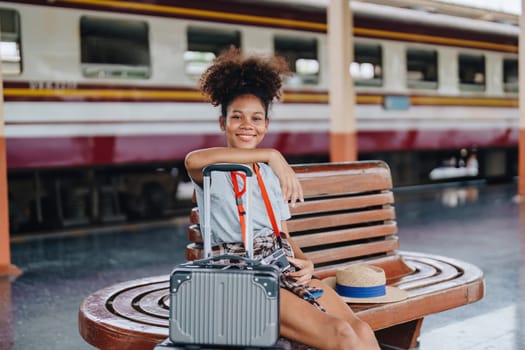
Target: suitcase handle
x,y
227,167
204,262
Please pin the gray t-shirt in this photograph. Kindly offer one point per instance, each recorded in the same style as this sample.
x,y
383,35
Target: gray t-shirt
x,y
225,225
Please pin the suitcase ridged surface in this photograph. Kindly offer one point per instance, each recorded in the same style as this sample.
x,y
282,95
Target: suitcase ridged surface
x,y
224,307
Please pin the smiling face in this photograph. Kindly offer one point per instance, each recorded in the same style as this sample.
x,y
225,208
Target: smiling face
x,y
245,123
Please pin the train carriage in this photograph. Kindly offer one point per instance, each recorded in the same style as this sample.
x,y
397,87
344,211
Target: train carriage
x,y
101,105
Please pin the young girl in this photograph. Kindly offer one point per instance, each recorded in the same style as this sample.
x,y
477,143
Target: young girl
x,y
311,313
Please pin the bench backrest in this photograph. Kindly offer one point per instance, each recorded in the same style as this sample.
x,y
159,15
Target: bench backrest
x,y
348,215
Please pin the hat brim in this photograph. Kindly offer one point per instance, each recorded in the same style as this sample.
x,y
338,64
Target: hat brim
x,y
393,294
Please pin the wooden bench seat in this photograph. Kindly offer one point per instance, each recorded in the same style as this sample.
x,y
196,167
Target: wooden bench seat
x,y
348,217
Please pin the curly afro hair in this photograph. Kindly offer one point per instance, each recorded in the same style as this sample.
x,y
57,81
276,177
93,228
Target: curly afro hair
x,y
232,75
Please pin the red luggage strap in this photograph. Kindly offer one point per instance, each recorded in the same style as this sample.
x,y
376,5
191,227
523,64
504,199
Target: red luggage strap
x,y
240,207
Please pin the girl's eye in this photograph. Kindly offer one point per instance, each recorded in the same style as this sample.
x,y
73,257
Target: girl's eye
x,y
236,117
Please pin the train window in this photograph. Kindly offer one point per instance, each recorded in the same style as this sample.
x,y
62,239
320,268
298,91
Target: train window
x,y
114,48
422,68
10,43
366,70
510,75
471,72
204,44
301,54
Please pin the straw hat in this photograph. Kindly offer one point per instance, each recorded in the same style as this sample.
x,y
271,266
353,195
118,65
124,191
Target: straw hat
x,y
364,284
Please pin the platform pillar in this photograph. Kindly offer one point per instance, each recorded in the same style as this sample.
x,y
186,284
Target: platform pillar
x,y
343,134
6,268
521,70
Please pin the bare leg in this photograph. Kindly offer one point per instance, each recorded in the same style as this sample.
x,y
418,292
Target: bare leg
x,y
339,328
335,306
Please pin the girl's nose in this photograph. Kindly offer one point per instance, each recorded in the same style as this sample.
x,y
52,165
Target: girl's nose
x,y
246,124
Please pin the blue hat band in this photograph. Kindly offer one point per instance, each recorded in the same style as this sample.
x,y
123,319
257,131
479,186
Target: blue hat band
x,y
360,292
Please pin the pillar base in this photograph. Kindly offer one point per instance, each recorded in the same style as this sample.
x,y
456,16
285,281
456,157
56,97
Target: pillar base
x,y
518,199
10,270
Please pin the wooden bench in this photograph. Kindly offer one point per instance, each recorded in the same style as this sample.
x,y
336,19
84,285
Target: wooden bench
x,y
348,217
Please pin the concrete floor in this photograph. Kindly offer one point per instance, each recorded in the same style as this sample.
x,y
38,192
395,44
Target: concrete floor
x,y
477,223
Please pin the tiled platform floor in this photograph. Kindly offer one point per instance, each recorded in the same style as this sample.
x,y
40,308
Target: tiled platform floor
x,y
478,223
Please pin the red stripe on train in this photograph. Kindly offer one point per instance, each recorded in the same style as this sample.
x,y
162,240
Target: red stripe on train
x,y
25,153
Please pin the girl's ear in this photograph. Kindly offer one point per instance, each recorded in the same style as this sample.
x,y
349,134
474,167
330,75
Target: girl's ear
x,y
222,123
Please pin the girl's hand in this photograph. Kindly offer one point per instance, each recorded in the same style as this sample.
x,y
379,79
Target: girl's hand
x,y
305,270
290,186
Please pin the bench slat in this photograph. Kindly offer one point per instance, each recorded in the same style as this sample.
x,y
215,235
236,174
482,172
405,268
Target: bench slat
x,y
354,250
340,219
344,235
344,183
194,251
194,215
361,166
194,233
333,204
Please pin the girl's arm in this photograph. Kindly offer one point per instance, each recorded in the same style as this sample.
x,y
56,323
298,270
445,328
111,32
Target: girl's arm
x,y
197,160
297,252
305,267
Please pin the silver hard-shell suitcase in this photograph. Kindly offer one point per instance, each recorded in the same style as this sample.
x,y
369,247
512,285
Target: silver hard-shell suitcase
x,y
218,304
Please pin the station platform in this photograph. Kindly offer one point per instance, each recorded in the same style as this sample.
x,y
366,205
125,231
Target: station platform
x,y
475,222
